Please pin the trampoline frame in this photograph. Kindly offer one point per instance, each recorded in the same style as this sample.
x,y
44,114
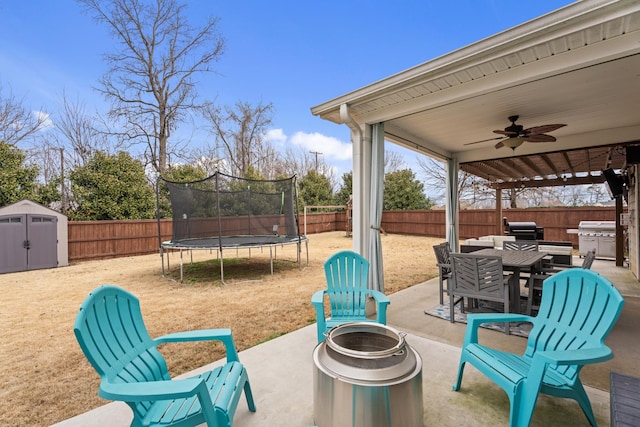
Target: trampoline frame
x,y
217,244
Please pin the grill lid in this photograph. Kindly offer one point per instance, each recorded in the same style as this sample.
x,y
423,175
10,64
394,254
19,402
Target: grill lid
x,y
595,226
522,226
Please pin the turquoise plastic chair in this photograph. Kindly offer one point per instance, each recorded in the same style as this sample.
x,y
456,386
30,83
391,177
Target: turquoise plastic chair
x,y
112,335
347,273
578,310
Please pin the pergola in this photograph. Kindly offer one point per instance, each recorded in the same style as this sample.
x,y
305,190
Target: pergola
x,y
578,65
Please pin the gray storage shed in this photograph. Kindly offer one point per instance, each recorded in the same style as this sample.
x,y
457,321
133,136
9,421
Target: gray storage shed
x,y
32,237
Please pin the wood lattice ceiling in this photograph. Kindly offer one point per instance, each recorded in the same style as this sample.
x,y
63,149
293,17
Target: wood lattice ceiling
x,y
568,167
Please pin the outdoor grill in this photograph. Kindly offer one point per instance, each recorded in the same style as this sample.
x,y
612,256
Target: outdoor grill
x,y
598,235
366,375
524,230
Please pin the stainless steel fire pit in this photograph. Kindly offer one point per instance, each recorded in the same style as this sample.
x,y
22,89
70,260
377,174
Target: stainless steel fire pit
x,y
365,374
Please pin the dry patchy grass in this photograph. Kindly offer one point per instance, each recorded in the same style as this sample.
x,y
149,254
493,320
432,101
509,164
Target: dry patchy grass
x,y
44,377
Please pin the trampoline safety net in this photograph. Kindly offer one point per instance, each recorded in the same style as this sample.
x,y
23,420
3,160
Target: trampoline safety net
x,y
222,206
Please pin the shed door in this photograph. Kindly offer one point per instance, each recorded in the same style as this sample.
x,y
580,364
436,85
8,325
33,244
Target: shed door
x,y
42,235
13,232
28,242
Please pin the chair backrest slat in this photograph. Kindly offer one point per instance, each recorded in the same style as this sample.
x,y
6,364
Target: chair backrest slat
x,y
112,334
578,309
347,274
478,276
589,257
442,252
115,340
520,245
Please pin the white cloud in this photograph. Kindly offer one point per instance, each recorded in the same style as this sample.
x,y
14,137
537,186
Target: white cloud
x,y
277,136
329,147
44,119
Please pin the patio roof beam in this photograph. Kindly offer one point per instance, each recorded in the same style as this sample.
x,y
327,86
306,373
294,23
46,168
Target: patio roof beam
x,y
608,160
555,182
545,158
570,166
482,169
531,165
514,169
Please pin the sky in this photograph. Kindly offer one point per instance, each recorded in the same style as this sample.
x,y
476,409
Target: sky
x,y
293,54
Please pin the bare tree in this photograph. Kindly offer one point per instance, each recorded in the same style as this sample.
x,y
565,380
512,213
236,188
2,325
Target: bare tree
x,y
150,80
393,161
207,159
598,193
240,132
473,192
17,123
545,196
302,161
512,195
78,133
471,189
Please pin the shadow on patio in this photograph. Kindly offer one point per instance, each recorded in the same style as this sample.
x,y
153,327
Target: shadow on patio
x,y
281,370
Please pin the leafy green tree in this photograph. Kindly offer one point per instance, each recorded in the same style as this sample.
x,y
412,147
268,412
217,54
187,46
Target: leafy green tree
x,y
346,189
185,173
111,187
251,195
315,189
49,194
18,180
192,193
402,191
177,173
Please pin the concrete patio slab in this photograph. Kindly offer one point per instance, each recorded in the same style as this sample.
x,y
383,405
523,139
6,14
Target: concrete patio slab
x,y
281,377
281,370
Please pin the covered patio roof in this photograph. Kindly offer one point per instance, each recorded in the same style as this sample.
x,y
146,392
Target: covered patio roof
x,y
578,66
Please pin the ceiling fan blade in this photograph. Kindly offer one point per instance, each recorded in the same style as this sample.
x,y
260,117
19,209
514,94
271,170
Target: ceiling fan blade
x,y
484,140
541,129
506,132
499,145
540,137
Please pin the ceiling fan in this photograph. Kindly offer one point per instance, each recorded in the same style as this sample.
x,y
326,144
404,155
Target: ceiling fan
x,y
514,135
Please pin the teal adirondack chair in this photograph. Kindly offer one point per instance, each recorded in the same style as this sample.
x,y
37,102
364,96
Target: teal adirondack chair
x,y
347,273
578,310
112,335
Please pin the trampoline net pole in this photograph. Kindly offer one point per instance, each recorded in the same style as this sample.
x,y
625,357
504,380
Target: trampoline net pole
x,y
219,216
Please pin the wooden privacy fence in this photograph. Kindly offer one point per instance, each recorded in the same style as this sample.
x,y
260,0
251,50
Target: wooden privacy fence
x,y
482,222
110,239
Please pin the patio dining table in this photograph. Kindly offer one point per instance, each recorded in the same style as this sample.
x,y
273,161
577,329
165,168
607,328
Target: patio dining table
x,y
515,262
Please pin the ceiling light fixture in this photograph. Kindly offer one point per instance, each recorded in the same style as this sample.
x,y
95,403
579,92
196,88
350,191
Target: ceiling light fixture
x,y
513,142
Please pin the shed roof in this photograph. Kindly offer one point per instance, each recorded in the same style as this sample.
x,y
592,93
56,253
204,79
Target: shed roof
x,y
28,206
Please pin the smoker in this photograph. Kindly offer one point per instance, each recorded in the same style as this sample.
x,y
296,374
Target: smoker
x,y
523,230
598,235
366,375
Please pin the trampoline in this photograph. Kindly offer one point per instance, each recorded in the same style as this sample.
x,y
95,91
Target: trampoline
x,y
223,212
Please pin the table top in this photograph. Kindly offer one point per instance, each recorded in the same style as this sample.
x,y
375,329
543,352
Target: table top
x,y
514,258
